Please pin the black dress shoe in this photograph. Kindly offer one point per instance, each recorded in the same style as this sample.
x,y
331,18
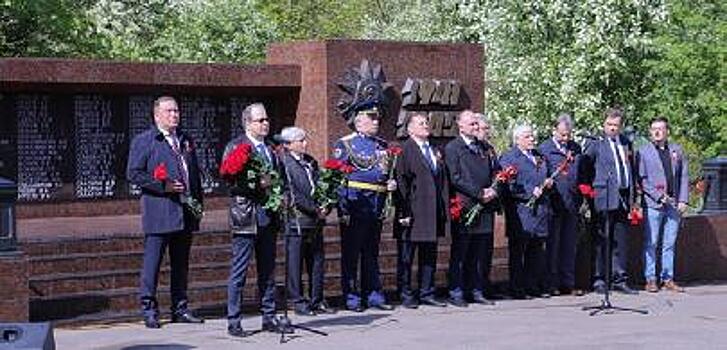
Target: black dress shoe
x,y
186,317
432,302
152,322
323,308
304,310
458,302
357,308
382,306
237,331
479,299
624,288
410,304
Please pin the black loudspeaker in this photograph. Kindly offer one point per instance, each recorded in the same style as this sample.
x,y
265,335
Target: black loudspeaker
x,y
27,336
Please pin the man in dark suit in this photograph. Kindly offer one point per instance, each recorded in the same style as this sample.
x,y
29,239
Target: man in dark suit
x,y
527,225
471,171
422,212
610,161
253,229
166,219
566,201
304,228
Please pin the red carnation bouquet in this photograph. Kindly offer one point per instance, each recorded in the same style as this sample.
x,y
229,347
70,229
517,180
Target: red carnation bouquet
x,y
160,173
502,178
246,169
332,177
392,155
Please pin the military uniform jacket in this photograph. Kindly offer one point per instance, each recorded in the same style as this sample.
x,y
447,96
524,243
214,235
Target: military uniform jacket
x,y
421,195
163,212
245,214
470,172
368,157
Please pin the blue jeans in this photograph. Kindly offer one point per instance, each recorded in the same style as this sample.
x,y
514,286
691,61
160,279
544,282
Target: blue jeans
x,y
669,217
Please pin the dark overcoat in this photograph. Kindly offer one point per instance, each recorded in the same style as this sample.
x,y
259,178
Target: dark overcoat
x,y
421,195
471,171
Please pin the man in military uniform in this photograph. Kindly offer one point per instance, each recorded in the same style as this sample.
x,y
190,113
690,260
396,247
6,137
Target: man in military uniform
x,y
360,207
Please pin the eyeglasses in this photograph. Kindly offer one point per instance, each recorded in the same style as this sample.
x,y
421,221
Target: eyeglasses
x,y
261,120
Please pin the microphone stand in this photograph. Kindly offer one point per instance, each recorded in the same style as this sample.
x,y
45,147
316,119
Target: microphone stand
x,y
286,325
606,306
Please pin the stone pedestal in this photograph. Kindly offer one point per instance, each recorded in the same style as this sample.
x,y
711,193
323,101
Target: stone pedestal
x,y
13,287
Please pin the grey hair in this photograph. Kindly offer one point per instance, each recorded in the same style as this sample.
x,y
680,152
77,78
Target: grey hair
x,y
565,119
292,133
484,118
247,112
518,130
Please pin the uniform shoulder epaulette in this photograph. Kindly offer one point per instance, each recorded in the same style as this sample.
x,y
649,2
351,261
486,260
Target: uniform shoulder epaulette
x,y
348,137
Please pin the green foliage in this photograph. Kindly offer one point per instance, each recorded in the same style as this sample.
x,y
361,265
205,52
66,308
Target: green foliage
x,y
688,74
314,19
44,28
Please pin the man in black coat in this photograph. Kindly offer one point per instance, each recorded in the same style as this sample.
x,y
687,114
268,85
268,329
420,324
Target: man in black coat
x,y
610,163
167,221
304,228
566,201
471,171
253,229
422,212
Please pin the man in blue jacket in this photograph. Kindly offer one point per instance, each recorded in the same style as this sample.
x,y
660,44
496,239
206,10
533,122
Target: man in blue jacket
x,y
163,163
610,162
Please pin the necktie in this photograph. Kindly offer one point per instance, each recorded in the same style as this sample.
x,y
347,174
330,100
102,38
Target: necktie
x,y
475,148
428,156
619,162
180,160
261,149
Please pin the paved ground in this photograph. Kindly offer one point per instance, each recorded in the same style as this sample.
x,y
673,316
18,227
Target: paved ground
x,y
695,320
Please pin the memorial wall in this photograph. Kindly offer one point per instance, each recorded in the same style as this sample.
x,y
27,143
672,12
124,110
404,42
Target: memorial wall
x,y
65,135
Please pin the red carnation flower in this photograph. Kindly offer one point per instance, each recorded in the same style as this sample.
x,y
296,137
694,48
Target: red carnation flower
x,y
160,172
587,191
455,208
333,164
394,151
347,169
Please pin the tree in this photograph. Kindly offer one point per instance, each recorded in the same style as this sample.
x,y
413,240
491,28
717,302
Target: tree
x,y
687,75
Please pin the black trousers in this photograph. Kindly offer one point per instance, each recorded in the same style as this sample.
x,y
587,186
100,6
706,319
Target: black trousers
x,y
560,247
179,244
619,246
470,259
427,265
360,243
306,249
527,263
263,245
